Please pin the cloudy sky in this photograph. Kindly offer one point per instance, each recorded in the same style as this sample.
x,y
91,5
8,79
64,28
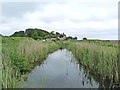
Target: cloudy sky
x,y
94,19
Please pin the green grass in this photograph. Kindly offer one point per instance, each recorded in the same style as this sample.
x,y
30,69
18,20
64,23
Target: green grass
x,y
19,55
0,62
99,58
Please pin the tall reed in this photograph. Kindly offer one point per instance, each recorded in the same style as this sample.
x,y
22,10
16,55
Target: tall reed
x,y
19,55
100,59
0,62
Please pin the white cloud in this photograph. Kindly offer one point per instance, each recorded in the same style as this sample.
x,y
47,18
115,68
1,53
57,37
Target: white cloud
x,y
81,18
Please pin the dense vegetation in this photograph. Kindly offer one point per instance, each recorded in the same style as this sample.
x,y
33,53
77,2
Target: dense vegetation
x,y
0,62
40,34
99,57
19,55
34,33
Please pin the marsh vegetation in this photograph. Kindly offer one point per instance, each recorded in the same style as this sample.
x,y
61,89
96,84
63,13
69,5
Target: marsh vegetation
x,y
100,58
19,54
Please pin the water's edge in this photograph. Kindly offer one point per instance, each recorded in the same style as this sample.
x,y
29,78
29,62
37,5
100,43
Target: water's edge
x,y
59,70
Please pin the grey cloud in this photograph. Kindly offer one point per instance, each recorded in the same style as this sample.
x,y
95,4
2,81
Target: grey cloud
x,y
89,19
66,21
50,19
92,33
17,9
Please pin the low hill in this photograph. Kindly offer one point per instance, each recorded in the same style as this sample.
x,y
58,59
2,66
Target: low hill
x,y
34,33
42,34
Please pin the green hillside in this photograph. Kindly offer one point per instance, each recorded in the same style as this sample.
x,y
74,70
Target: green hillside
x,y
35,34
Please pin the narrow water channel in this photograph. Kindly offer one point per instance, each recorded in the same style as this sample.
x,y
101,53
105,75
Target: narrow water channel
x,y
59,70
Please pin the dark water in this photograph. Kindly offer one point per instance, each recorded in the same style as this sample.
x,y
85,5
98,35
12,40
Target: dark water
x,y
59,70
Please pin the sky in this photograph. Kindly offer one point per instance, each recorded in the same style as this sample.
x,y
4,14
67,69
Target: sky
x,y
94,19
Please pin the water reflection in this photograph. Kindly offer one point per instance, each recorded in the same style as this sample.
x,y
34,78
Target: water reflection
x,y
60,70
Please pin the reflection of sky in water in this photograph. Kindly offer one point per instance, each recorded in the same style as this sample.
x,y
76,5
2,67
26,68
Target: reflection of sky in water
x,y
59,70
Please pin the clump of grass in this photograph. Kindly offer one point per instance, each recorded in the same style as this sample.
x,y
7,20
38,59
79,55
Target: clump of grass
x,y
102,59
18,55
0,62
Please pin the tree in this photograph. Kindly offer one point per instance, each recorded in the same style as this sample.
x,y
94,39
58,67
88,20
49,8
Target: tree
x,y
52,32
64,34
19,34
75,38
84,38
29,32
57,33
69,37
35,35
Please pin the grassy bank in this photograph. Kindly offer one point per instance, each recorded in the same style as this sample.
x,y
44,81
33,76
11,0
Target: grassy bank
x,y
0,62
19,55
100,58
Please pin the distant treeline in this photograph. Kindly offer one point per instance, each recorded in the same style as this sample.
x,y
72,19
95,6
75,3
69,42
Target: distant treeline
x,y
40,34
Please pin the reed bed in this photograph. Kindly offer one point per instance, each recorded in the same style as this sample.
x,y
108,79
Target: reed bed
x,y
98,59
0,62
19,55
